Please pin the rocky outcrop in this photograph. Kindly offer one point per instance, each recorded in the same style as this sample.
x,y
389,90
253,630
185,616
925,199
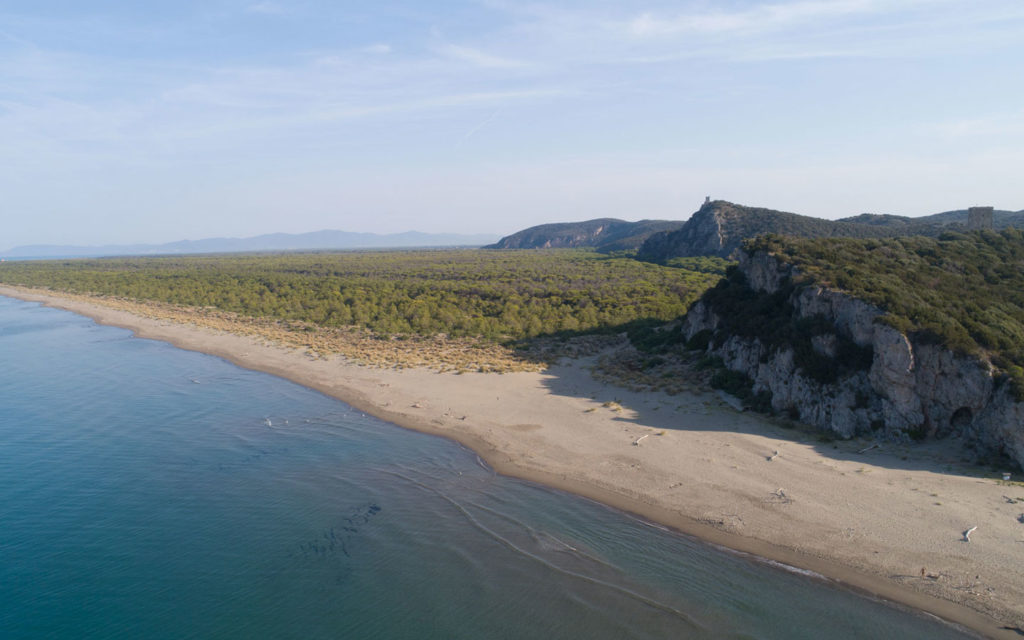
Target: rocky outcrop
x,y
704,234
909,388
719,228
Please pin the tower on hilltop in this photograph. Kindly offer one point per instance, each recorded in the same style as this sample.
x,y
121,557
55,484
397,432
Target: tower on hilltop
x,y
979,218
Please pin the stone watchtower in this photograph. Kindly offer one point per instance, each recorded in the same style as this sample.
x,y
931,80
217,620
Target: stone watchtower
x,y
979,218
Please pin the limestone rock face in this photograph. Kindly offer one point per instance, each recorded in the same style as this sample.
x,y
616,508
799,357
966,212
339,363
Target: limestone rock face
x,y
698,318
911,389
998,426
763,272
852,318
703,235
893,375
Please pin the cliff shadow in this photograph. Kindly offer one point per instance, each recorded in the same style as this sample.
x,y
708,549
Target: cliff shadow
x,y
695,407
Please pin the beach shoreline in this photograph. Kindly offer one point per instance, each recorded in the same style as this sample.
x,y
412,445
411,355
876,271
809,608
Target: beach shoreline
x,y
886,521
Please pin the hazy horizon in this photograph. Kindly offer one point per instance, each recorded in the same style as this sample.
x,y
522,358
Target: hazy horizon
x,y
372,241
495,235
141,124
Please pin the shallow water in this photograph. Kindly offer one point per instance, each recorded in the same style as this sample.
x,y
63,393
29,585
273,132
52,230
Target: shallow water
x,y
150,492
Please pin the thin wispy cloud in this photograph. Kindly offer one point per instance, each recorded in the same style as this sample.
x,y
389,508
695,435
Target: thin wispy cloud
x,y
758,18
377,49
268,8
615,33
212,106
201,94
478,58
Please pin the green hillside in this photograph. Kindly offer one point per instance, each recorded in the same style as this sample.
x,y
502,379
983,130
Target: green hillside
x,y
719,228
606,235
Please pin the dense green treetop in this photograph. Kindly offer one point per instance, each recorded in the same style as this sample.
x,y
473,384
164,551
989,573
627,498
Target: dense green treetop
x,y
500,295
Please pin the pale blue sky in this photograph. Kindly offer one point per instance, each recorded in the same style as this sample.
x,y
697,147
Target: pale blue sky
x,y
159,121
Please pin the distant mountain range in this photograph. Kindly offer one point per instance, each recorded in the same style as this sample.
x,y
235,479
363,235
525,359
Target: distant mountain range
x,y
718,228
269,242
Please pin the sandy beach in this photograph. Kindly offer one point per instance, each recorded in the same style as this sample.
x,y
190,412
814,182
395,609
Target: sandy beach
x,y
879,517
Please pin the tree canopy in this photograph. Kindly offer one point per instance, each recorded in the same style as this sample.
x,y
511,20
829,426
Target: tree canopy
x,y
499,295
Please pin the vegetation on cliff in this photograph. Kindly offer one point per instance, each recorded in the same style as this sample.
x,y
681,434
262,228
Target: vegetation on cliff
x,y
498,295
962,290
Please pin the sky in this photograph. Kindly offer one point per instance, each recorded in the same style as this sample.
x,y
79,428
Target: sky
x,y
125,122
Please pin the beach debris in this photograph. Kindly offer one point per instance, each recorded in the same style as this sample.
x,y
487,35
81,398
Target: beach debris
x,y
967,534
724,522
636,443
1006,476
417,405
779,496
1020,518
772,457
866,449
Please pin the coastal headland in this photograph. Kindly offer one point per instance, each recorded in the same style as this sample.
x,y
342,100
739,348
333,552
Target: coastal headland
x,y
881,518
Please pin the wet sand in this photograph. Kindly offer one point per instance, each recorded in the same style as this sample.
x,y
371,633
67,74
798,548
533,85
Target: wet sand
x,y
887,520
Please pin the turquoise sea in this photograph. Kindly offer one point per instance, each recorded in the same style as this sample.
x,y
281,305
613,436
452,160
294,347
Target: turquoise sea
x,y
150,492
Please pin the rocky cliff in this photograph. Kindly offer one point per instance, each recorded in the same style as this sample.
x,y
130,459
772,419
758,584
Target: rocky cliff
x,y
842,368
